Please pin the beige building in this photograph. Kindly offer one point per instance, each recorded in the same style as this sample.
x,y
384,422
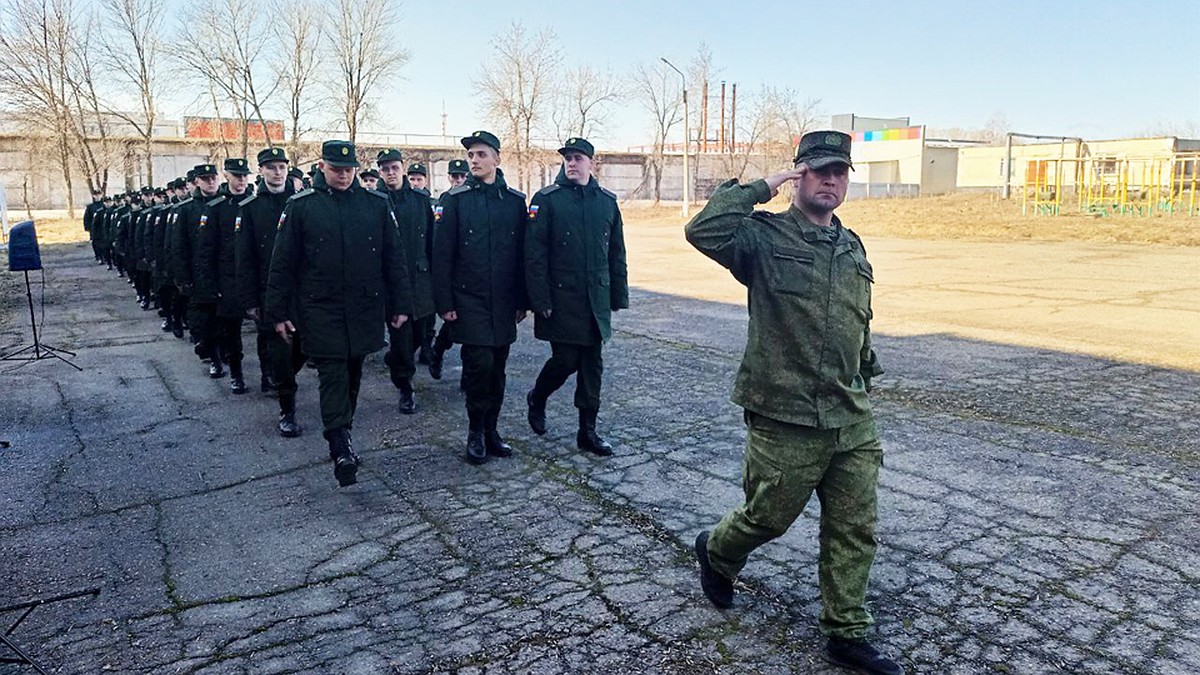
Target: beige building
x,y
893,158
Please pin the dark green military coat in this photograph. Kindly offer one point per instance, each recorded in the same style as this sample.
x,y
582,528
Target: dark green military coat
x,y
153,221
158,245
575,261
122,231
808,358
338,256
193,215
215,252
141,220
89,214
478,269
258,222
415,218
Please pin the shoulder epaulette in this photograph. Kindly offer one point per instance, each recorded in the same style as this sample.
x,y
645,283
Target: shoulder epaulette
x,y
247,200
516,192
301,194
549,188
458,189
185,201
857,238
377,193
608,192
215,200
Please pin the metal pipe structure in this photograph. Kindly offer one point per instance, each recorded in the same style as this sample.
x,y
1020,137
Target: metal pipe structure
x,y
1008,138
687,172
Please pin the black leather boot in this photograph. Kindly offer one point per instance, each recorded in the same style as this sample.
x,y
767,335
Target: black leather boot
x,y
267,384
537,412
436,358
166,326
288,428
587,438
237,384
408,402
861,656
476,447
216,369
495,444
345,462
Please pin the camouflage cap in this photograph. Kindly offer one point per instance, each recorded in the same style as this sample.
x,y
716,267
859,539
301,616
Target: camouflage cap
x,y
487,138
339,153
819,149
389,155
272,155
458,166
575,144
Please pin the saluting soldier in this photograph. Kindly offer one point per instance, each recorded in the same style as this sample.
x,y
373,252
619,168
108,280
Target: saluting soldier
x,y
803,385
576,276
479,285
415,220
216,264
337,272
258,222
200,293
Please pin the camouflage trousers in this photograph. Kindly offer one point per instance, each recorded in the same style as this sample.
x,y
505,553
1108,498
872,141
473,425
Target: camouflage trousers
x,y
783,465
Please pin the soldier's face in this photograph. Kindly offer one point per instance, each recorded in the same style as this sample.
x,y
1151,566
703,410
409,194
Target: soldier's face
x,y
822,190
393,174
417,181
207,184
297,184
338,177
274,174
578,167
368,182
483,161
457,179
237,182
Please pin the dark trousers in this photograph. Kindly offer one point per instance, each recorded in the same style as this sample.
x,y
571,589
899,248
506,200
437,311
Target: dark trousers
x,y
284,361
202,319
403,343
179,307
583,361
445,338
227,336
166,298
483,383
338,384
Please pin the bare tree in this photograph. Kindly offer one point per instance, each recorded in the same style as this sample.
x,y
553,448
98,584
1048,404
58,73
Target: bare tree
x,y
583,104
362,34
516,84
657,90
298,32
133,48
36,42
95,151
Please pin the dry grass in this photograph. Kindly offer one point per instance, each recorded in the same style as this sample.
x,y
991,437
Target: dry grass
x,y
973,217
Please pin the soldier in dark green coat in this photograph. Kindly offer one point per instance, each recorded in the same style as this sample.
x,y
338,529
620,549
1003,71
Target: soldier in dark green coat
x,y
141,259
439,345
216,265
479,285
803,385
119,233
201,293
100,230
415,219
177,310
163,287
337,273
576,277
89,214
258,222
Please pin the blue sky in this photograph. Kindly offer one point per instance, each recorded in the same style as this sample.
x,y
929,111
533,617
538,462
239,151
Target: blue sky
x,y
1092,69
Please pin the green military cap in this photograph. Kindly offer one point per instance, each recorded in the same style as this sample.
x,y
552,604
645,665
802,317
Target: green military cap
x,y
339,153
389,155
146,189
819,149
295,172
485,137
370,172
575,144
417,168
312,169
272,155
204,170
236,166
458,166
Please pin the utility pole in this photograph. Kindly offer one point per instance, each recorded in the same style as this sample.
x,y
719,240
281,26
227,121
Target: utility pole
x,y
687,173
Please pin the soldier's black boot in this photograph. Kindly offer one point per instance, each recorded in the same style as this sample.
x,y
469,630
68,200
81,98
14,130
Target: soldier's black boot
x,y
345,462
587,438
718,589
237,384
408,402
860,656
288,428
177,329
166,326
267,384
436,358
537,411
215,369
476,447
494,442
423,355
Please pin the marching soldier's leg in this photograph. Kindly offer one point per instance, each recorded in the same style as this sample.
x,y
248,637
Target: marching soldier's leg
x,y
231,349
563,362
263,338
493,441
587,399
478,363
337,413
281,362
401,368
437,355
848,517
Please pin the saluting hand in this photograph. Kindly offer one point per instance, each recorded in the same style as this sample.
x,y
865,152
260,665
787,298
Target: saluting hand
x,y
285,330
398,320
775,180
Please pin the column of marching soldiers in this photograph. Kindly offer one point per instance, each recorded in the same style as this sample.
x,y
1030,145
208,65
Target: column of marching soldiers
x,y
326,264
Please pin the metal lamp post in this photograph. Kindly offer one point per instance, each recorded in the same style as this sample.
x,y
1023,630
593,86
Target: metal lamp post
x,y
687,174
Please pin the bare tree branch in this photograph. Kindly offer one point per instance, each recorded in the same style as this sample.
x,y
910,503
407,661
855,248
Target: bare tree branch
x,y
362,34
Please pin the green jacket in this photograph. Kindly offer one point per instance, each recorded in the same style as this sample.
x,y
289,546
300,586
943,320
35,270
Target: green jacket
x,y
122,233
89,214
216,260
338,256
193,215
162,243
258,221
415,219
808,358
575,261
138,241
478,251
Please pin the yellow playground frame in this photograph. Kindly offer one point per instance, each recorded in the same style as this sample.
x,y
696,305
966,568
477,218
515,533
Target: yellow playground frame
x,y
1107,186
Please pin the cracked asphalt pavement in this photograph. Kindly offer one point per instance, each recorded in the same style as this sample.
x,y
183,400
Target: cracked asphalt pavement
x,y
1038,511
